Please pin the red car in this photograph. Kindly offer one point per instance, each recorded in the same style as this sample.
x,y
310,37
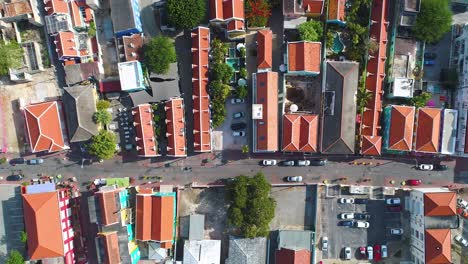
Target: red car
x,y
396,208
362,252
377,253
413,182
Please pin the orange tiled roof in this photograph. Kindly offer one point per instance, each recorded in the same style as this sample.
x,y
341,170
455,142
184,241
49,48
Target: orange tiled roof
x,y
264,49
132,47
56,7
304,56
267,95
440,204
155,218
42,214
300,132
175,123
438,246
66,44
216,10
233,9
143,217
371,145
336,10
76,14
290,256
201,99
401,128
111,247
145,139
428,130
109,208
16,8
313,6
235,25
44,127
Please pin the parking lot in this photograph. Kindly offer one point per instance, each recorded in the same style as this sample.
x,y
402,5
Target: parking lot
x,y
223,137
11,220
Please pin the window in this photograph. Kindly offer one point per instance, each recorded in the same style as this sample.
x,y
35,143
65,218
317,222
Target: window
x,y
262,84
262,138
421,237
416,233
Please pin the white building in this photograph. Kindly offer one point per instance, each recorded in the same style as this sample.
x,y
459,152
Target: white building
x,y
433,215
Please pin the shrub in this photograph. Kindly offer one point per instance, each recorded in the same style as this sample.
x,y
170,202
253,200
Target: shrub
x,y
243,73
222,72
159,54
186,14
311,30
103,105
241,91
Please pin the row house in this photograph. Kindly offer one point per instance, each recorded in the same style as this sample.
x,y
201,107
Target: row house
x,y
230,14
175,127
147,145
264,50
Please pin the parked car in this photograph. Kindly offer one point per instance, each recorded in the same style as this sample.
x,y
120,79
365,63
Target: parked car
x,y
396,231
302,163
318,162
429,62
462,203
440,167
361,201
377,253
426,167
384,251
346,200
35,161
238,126
347,216
269,162
14,177
238,115
461,240
430,56
359,224
294,178
16,161
238,134
347,223
362,252
395,209
370,253
393,201
237,101
359,216
288,163
413,182
324,243
347,253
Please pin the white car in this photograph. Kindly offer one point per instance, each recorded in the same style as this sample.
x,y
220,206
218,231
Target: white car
x,y
294,178
396,231
324,243
346,200
462,203
347,216
360,224
461,240
347,253
237,101
393,201
269,162
303,163
426,167
370,253
238,134
384,251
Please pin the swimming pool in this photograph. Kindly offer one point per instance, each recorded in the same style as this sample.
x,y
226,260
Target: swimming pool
x,y
233,63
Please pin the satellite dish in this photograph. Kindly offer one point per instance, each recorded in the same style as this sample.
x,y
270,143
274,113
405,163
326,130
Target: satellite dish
x,y
293,108
282,68
240,45
242,82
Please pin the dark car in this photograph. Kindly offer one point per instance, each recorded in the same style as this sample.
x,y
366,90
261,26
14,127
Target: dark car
x,y
359,216
15,177
429,56
17,161
345,223
287,163
361,201
318,162
440,167
395,208
238,126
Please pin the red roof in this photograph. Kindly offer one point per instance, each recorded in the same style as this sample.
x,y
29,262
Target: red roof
x,y
216,10
371,145
44,127
376,68
428,130
132,47
336,10
304,56
108,207
440,204
300,132
235,25
222,10
145,139
438,246
175,123
56,7
43,225
66,45
111,247
266,89
108,86
16,8
264,49
313,6
401,128
155,218
290,256
201,100
75,14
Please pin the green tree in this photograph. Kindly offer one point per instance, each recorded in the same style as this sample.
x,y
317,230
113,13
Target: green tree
x,y
311,30
421,100
219,113
92,29
103,104
218,50
15,257
3,160
434,20
222,72
257,12
11,56
102,117
241,91
160,53
363,95
24,237
245,149
242,52
186,14
219,91
243,72
103,145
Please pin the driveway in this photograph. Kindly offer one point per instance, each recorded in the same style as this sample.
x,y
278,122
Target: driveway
x,y
222,136
11,220
441,49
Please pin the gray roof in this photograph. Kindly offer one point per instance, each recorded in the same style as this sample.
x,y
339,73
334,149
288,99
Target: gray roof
x,y
80,105
296,239
76,73
196,227
339,119
247,251
122,15
202,251
441,222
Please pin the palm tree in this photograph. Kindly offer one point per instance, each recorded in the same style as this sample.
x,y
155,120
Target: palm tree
x,y
363,97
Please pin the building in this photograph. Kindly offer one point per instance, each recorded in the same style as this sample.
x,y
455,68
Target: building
x,y
399,127
265,111
50,233
449,131
77,73
110,240
130,47
147,145
71,46
45,127
247,251
107,199
339,113
80,106
428,125
20,10
125,16
402,79
295,247
131,76
202,252
201,98
229,13
336,11
296,8
432,216
175,127
264,50
304,57
300,132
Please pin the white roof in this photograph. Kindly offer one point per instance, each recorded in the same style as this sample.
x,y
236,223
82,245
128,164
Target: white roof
x,y
403,87
449,130
202,252
131,76
257,111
